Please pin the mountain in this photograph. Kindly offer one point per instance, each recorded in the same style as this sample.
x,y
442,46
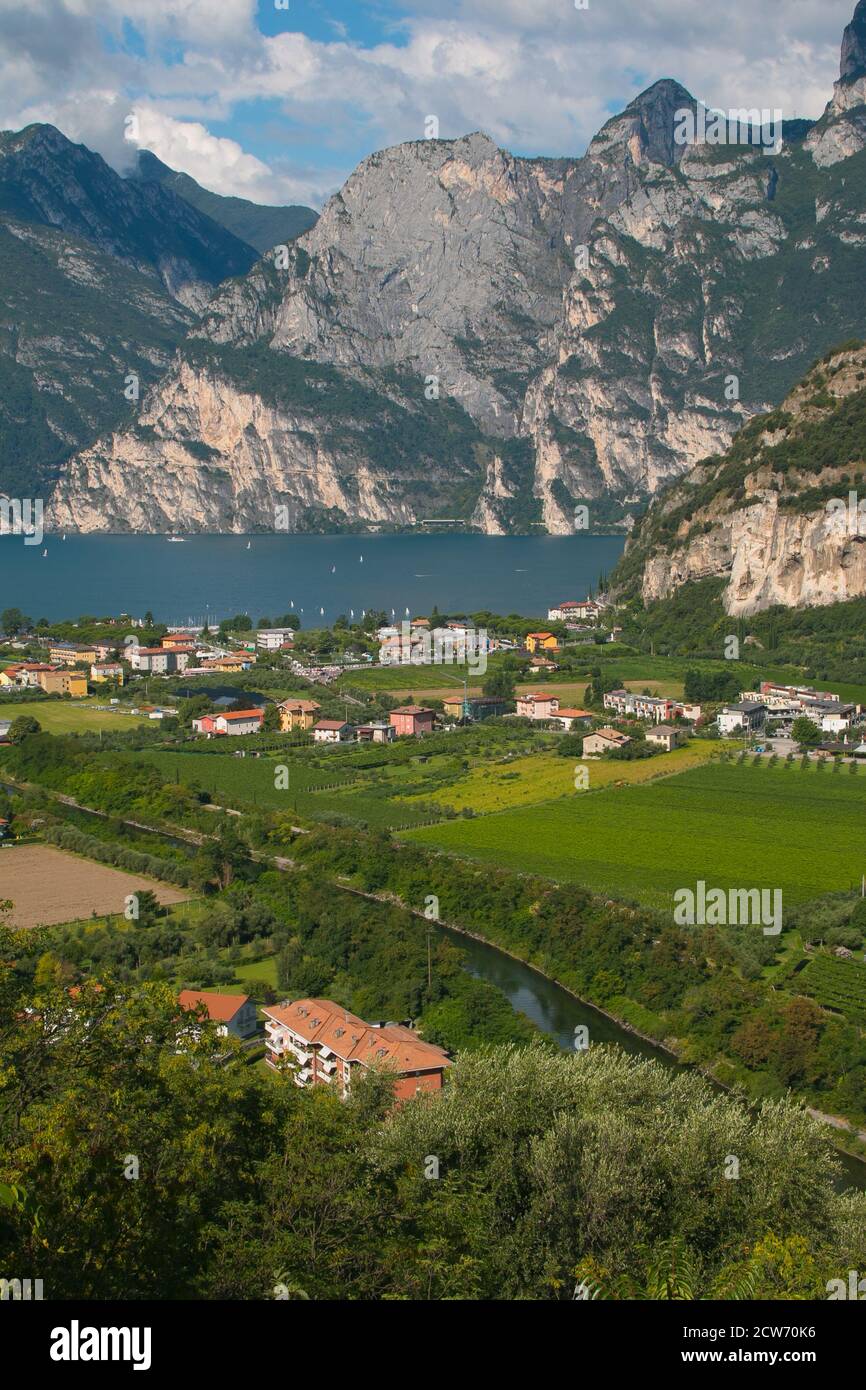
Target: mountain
x,y
99,282
772,517
75,322
593,328
257,224
47,180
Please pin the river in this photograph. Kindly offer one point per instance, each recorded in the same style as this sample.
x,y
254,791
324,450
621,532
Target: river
x,y
558,1013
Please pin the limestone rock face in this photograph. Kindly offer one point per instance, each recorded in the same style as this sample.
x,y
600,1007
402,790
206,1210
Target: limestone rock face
x,y
781,518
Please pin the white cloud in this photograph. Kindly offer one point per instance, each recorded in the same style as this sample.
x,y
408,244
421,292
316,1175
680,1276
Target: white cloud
x,y
537,75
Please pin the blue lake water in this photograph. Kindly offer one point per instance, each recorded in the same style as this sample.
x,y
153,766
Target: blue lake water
x,y
216,576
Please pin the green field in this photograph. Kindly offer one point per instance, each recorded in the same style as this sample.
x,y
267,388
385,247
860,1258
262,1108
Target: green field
x,y
312,792
731,825
837,984
70,717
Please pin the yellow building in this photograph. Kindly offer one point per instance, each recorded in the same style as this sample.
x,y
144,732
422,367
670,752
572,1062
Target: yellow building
x,y
297,714
541,642
106,671
63,683
72,654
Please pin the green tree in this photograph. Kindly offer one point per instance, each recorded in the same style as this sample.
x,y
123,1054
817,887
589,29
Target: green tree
x,y
805,732
23,727
13,621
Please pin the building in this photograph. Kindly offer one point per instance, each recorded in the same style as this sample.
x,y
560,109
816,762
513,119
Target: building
x,y
106,671
474,707
745,717
412,721
72,654
234,723
232,662
30,671
840,719
666,736
63,683
375,733
179,639
332,731
540,642
235,1013
571,611
542,666
604,741
569,718
274,639
9,676
159,661
537,706
297,714
322,1044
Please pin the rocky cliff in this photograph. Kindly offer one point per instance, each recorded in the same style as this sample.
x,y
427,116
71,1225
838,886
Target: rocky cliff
x,y
779,517
596,325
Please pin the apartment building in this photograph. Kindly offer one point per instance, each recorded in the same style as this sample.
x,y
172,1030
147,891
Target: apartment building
x,y
322,1044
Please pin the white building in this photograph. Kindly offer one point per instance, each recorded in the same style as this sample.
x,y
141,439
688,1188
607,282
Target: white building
x,y
747,716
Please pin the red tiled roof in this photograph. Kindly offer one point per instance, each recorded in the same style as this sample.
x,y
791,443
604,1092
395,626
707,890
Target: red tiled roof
x,y
221,1007
242,714
412,709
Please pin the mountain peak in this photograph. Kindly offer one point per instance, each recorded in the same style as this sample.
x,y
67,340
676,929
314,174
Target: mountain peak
x,y
647,124
854,46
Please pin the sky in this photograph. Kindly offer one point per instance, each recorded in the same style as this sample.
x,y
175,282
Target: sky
x,y
278,100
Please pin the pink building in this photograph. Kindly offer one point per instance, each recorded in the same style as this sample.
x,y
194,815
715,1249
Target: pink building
x,y
411,721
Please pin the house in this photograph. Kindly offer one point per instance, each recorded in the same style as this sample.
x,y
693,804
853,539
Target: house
x,y
235,1013
274,639
568,718
542,665
332,731
745,716
474,707
106,671
173,640
234,723
232,662
297,714
322,1044
412,721
9,676
30,671
839,719
375,733
540,641
537,706
665,736
63,683
603,741
105,651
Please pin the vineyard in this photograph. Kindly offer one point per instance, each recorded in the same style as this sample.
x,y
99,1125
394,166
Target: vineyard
x,y
837,984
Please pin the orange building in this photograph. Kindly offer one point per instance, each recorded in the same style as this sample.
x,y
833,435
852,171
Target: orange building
x,y
412,721
541,641
297,714
325,1045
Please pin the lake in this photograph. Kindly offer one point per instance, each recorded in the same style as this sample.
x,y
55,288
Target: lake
x,y
212,577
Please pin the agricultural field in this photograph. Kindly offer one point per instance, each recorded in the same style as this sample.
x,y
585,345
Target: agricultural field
x,y
70,717
544,776
836,984
48,886
730,824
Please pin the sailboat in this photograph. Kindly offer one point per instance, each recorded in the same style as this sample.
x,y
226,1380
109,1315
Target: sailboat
x,y
44,553
321,612
333,569
249,545
360,559
291,603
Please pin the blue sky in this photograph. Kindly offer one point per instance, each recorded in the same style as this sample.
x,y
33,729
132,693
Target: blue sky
x,y
280,104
